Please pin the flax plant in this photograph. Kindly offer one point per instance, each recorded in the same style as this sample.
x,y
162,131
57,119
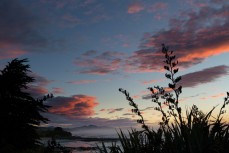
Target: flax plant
x,y
180,131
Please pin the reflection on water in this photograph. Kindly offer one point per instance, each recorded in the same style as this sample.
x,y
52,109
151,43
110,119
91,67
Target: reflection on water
x,y
79,144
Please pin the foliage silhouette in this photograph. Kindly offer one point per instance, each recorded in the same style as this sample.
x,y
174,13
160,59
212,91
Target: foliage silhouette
x,y
20,113
196,132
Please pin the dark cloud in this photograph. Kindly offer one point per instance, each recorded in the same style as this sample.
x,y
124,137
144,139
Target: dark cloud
x,y
204,76
19,27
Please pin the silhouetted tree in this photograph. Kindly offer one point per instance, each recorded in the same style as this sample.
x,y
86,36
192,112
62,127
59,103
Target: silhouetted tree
x,y
19,111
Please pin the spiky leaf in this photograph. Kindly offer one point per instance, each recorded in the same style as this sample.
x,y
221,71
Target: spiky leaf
x,y
175,70
177,79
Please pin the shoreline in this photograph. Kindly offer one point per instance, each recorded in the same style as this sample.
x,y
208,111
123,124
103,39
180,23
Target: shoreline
x,y
81,139
85,139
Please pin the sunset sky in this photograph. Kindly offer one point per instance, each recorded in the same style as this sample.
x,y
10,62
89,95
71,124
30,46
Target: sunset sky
x,y
83,51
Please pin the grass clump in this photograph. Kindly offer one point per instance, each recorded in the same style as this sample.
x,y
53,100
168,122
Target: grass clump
x,y
194,132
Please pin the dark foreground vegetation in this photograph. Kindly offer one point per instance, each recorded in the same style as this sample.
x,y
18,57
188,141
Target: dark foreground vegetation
x,y
20,113
194,132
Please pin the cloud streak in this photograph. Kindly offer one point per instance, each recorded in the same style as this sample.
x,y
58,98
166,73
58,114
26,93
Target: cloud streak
x,y
111,110
82,82
135,8
219,95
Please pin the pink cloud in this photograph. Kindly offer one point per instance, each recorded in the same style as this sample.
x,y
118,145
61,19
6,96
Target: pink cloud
x,y
135,8
193,43
137,96
218,95
82,82
76,106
